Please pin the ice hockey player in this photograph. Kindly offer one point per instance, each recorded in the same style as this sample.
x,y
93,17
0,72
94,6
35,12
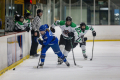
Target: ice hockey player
x,y
19,26
67,36
49,40
82,30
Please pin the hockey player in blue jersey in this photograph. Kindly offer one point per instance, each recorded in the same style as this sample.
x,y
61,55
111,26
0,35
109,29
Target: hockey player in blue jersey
x,y
49,40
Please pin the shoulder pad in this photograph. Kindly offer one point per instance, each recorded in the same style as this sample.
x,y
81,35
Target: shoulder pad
x,y
62,22
73,25
87,28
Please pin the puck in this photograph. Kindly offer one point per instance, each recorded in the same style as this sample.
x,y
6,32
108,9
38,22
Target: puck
x,y
90,59
13,68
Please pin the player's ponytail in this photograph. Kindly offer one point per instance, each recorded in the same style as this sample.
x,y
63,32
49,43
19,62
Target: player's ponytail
x,y
47,30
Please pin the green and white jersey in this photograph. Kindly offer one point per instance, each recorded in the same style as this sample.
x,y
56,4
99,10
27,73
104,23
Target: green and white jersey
x,y
27,23
19,25
81,33
64,28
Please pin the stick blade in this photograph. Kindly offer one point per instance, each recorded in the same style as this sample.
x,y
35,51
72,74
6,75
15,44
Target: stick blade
x,y
79,66
91,59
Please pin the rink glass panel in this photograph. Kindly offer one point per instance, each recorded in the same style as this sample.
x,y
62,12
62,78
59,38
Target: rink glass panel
x,y
101,12
76,11
115,12
14,49
65,9
57,10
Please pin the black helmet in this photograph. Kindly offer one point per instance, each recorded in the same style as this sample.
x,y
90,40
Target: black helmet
x,y
39,10
82,24
68,18
17,17
27,14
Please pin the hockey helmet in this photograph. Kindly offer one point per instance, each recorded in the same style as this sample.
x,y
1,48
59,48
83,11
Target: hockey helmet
x,y
42,28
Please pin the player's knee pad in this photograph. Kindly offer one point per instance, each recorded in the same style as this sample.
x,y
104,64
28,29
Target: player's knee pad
x,y
83,47
62,47
68,47
43,56
83,43
43,50
63,57
66,52
83,51
58,52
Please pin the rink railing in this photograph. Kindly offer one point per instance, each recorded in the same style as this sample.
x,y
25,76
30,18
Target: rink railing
x,y
14,49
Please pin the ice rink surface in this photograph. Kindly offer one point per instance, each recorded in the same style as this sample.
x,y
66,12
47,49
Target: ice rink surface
x,y
104,66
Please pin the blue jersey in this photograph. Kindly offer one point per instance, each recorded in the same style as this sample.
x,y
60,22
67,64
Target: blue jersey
x,y
48,39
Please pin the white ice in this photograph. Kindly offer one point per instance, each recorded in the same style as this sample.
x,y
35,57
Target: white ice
x,y
104,66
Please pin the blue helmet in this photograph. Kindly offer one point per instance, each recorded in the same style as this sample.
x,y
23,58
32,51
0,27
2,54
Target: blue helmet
x,y
46,25
42,28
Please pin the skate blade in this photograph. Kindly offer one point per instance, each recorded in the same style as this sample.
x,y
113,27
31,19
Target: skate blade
x,y
79,66
59,63
37,67
85,58
68,66
41,66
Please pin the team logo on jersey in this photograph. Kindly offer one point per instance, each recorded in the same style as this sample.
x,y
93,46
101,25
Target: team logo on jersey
x,y
65,31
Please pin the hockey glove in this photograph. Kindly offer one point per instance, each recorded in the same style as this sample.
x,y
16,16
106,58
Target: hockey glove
x,y
85,39
94,33
27,29
40,41
52,29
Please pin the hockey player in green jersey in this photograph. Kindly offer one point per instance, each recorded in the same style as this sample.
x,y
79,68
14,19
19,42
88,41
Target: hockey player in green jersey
x,y
19,26
27,20
82,30
67,36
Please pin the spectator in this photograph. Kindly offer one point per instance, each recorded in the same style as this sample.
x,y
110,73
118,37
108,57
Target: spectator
x,y
27,20
19,26
28,10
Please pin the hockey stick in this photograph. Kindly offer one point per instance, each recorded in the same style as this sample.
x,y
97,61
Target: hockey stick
x,y
74,56
73,52
92,49
38,62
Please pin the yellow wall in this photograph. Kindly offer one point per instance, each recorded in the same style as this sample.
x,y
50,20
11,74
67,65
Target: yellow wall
x,y
2,12
33,1
18,1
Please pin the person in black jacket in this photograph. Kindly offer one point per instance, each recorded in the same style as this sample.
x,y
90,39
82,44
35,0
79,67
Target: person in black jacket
x,y
28,10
